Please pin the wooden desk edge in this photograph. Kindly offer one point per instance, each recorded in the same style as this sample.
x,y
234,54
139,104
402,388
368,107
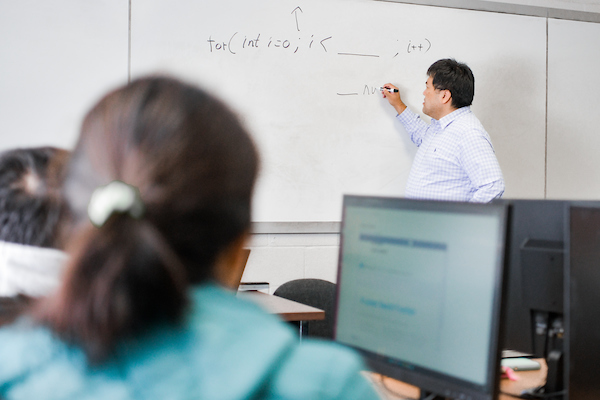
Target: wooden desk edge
x,y
287,310
390,388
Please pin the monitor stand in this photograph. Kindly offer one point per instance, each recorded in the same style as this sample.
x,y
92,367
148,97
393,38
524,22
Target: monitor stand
x,y
429,396
548,337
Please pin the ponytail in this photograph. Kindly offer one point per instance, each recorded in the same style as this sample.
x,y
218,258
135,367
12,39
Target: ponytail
x,y
195,166
122,279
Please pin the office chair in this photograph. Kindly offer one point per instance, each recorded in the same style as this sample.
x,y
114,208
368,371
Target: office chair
x,y
315,293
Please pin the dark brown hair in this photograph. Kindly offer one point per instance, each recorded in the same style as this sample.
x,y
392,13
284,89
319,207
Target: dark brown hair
x,y
31,205
449,74
195,167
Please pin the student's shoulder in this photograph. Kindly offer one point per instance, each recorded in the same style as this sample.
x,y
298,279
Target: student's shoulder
x,y
23,335
35,364
25,347
323,370
217,307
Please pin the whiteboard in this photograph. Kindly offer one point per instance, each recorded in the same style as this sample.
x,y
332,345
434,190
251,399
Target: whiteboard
x,y
303,76
57,57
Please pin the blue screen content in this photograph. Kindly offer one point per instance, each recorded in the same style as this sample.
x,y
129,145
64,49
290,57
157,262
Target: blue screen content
x,y
418,287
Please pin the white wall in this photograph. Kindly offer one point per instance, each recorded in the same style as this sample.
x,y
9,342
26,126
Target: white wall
x,y
278,258
573,118
56,59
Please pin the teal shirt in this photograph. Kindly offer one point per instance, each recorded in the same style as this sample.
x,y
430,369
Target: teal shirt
x,y
227,349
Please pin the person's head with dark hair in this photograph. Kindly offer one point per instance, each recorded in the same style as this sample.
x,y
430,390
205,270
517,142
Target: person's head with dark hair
x,y
449,74
32,213
31,206
160,187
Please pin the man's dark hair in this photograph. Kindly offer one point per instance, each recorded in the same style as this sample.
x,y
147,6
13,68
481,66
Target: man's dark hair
x,y
449,74
31,205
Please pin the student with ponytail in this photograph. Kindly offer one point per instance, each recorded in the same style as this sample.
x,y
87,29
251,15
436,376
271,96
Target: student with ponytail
x,y
159,187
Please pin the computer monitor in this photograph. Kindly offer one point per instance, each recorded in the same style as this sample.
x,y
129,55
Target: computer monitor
x,y
582,303
420,291
534,299
534,322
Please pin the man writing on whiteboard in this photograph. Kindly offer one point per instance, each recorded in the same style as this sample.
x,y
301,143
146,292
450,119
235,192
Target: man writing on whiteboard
x,y
456,159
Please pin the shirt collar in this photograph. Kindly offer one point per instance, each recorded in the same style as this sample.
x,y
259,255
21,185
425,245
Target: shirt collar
x,y
448,119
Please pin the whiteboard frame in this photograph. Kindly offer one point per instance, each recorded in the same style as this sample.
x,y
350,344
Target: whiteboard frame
x,y
508,8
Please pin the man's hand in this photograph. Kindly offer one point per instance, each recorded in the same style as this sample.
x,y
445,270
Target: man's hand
x,y
392,94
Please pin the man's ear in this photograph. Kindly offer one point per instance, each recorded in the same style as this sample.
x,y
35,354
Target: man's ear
x,y
446,96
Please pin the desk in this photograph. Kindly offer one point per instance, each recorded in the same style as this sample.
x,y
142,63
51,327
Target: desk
x,y
287,310
527,380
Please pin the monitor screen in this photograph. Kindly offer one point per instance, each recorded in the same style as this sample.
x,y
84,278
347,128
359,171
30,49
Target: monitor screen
x,y
419,291
582,300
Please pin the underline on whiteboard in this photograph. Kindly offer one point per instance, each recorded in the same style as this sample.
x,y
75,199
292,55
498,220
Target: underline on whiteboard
x,y
347,94
358,55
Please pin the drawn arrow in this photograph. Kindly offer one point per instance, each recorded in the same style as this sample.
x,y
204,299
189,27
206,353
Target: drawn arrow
x,y
295,12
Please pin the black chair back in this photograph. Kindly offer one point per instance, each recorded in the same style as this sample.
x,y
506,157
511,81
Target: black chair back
x,y
315,293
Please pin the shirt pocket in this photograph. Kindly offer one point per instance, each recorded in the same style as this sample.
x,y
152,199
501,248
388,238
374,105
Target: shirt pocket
x,y
443,156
